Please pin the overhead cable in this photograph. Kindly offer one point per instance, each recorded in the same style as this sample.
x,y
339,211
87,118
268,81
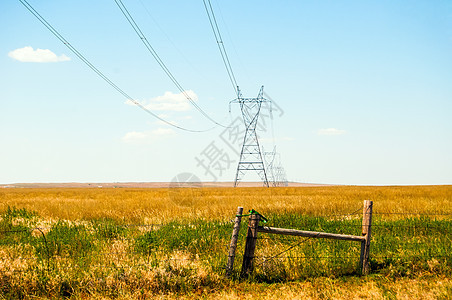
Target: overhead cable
x,y
160,62
220,44
97,71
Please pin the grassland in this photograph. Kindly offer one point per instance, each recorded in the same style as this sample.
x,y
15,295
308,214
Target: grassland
x,y
172,243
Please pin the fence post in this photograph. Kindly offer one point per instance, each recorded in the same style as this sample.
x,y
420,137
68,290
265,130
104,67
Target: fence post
x,y
251,238
366,231
234,238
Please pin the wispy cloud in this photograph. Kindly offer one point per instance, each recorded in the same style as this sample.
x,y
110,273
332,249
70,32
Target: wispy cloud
x,y
28,54
162,132
169,102
331,131
144,137
134,136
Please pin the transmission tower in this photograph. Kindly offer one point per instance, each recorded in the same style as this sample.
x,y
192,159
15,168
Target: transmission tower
x,y
250,156
275,170
269,159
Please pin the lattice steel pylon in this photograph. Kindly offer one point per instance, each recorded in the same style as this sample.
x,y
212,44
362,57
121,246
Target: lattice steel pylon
x,y
250,156
275,171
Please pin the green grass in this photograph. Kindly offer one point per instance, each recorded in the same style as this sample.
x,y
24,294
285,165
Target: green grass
x,y
101,256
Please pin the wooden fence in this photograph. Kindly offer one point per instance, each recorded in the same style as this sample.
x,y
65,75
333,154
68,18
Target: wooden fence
x,y
254,228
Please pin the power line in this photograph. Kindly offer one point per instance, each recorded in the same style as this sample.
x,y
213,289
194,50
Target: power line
x,y
160,62
220,44
97,71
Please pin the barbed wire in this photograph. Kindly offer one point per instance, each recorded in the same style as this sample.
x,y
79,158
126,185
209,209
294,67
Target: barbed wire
x,y
303,257
411,256
103,226
411,213
18,258
389,226
14,231
30,229
373,257
292,246
118,266
355,212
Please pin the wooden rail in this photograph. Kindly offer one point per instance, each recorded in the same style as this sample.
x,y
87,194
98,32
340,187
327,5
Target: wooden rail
x,y
311,234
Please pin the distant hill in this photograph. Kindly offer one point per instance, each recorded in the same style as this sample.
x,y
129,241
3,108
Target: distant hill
x,y
142,185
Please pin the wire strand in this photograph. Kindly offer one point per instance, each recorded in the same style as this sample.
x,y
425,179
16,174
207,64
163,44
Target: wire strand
x,y
97,71
220,44
159,61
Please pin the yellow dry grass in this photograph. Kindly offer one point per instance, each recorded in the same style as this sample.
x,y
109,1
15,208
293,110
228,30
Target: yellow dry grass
x,y
321,288
158,205
326,288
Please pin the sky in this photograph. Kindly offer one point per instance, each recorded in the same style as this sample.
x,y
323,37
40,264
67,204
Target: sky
x,y
361,90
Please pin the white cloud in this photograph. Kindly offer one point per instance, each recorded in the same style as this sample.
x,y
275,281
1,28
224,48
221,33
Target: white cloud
x,y
169,102
133,136
146,136
27,54
330,131
162,132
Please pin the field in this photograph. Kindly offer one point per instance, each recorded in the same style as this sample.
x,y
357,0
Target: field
x,y
172,243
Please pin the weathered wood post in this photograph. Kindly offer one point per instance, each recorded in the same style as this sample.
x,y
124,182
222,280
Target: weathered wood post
x,y
366,231
233,244
250,246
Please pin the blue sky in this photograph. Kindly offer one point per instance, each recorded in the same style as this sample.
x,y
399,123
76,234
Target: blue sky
x,y
364,90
